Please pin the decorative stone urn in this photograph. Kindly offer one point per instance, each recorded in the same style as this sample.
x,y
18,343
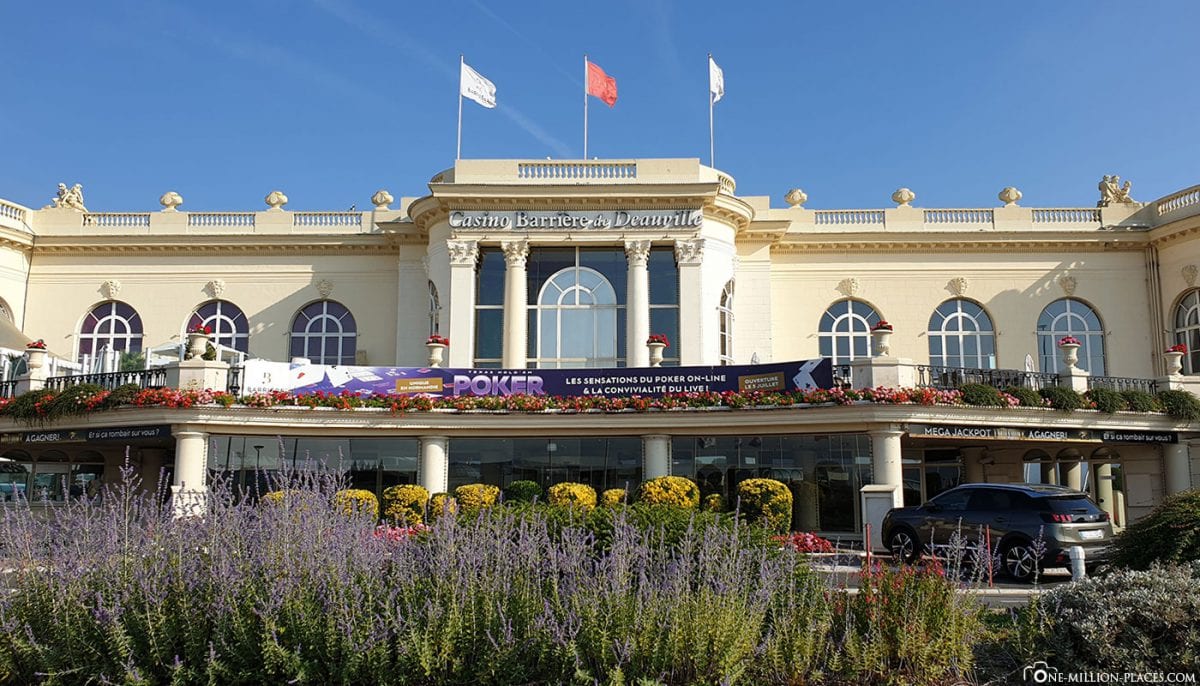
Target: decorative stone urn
x,y
656,353
35,358
436,345
170,201
796,197
903,197
382,199
1009,196
276,200
197,345
1070,354
881,342
1174,360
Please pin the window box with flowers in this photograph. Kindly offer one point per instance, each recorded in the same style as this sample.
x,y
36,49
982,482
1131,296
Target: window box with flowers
x,y
656,343
881,338
436,345
1174,358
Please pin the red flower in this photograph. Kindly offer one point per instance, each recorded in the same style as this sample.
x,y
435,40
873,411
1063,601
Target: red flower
x,y
658,338
1177,348
1069,340
39,344
201,328
882,325
440,340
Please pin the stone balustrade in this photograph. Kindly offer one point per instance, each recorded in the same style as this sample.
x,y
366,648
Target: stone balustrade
x,y
14,216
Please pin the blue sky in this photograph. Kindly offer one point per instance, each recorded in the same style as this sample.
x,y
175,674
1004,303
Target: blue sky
x,y
329,100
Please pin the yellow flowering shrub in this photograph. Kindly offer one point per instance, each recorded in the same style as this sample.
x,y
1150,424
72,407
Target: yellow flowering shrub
x,y
767,500
612,497
572,495
674,491
405,504
356,501
475,497
273,498
442,504
713,502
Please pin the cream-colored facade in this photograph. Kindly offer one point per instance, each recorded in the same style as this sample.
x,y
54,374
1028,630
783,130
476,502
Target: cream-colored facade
x,y
754,283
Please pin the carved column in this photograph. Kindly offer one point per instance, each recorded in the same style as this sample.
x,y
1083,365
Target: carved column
x,y
689,255
637,304
464,255
516,301
886,463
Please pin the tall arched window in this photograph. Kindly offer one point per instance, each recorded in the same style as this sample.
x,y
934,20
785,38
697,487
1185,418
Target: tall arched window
x,y
845,331
577,320
5,310
1187,329
725,312
110,326
325,333
1070,317
435,310
961,335
228,323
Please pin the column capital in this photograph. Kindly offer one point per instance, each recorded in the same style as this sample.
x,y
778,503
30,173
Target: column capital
x,y
463,253
515,252
637,252
689,251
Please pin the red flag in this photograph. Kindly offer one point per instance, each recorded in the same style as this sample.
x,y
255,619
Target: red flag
x,y
601,85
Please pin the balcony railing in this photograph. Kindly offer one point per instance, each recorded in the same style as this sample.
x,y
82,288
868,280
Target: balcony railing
x,y
843,376
8,388
1122,383
949,378
144,378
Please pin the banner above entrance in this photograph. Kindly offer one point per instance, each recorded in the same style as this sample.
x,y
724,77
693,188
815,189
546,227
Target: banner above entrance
x,y
576,220
259,375
1036,434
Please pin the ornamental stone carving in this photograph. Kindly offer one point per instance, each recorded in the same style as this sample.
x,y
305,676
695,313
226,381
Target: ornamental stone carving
x,y
903,197
276,200
1113,192
463,252
68,198
382,199
215,288
849,287
689,251
110,289
1189,274
324,287
170,200
1067,283
796,197
637,253
958,285
515,253
1009,196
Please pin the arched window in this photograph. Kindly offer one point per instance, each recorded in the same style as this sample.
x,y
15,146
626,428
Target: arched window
x,y
110,326
228,324
325,333
577,320
1070,317
1187,329
5,310
725,312
845,331
435,310
961,335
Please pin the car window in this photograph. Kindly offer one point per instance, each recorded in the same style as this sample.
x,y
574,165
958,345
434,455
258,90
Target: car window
x,y
988,499
953,500
1072,504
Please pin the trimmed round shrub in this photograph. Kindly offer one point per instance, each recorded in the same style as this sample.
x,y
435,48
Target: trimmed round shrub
x,y
1140,401
1127,621
1170,533
273,498
981,395
405,504
713,502
1063,399
673,491
523,492
1180,404
1027,396
613,497
572,495
1107,400
475,497
357,501
768,501
441,504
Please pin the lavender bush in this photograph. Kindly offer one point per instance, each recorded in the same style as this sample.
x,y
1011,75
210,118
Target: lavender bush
x,y
120,591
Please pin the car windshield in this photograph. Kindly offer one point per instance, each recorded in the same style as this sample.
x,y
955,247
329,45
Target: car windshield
x,y
1072,504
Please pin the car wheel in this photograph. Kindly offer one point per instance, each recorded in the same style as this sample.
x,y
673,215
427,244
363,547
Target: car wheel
x,y
1019,561
905,545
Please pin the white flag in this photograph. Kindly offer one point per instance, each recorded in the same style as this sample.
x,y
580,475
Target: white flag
x,y
716,80
472,85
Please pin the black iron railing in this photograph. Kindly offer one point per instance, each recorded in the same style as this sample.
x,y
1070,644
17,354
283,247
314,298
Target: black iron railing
x,y
144,378
1122,383
843,376
234,383
953,377
8,388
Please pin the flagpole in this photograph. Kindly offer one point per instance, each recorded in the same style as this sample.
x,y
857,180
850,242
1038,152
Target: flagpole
x,y
458,151
585,106
712,147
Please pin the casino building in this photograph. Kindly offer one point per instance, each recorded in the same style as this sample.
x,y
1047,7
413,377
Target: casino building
x,y
549,264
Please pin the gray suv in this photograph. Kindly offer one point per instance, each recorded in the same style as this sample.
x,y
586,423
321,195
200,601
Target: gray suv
x,y
1018,515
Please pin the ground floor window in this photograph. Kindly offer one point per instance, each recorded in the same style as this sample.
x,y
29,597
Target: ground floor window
x,y
600,462
50,476
824,472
